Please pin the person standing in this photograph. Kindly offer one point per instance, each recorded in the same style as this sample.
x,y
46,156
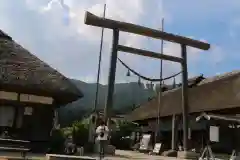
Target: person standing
x,y
102,136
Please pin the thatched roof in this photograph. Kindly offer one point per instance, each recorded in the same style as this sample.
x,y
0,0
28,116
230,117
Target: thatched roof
x,y
224,118
20,71
191,83
216,93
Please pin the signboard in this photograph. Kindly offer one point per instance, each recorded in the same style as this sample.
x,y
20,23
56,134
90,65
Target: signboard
x,y
8,95
157,148
214,134
28,111
35,99
145,142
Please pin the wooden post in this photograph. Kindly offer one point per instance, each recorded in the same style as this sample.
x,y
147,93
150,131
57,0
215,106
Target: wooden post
x,y
174,129
16,114
111,77
184,97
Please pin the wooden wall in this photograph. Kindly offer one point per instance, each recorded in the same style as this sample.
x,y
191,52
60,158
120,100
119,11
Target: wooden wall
x,y
33,116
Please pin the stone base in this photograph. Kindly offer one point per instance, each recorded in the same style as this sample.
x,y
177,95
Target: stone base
x,y
110,149
187,155
80,151
67,157
170,153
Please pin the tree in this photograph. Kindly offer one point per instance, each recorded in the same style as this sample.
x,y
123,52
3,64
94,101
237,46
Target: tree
x,y
80,132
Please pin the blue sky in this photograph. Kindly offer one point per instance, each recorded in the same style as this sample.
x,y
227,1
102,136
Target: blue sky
x,y
57,34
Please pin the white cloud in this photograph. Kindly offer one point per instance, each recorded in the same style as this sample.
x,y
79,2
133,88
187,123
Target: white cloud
x,y
73,47
49,5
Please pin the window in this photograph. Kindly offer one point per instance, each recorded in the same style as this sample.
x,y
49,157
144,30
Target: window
x,y
7,115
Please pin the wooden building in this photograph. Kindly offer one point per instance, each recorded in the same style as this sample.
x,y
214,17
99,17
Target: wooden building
x,y
219,94
30,91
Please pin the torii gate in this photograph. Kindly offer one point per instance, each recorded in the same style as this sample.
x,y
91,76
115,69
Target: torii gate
x,y
116,26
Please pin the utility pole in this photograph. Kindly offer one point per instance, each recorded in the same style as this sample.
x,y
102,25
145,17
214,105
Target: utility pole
x,y
160,86
99,63
95,115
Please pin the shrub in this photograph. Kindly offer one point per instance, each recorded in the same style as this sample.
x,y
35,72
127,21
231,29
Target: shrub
x,y
57,141
80,132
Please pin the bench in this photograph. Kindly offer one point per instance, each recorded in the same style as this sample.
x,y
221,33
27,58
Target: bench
x,y
23,151
14,145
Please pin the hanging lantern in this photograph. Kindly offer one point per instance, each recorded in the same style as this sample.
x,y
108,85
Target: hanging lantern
x,y
128,73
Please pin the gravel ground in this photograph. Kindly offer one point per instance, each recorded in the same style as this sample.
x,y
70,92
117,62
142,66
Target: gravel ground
x,y
126,155
120,155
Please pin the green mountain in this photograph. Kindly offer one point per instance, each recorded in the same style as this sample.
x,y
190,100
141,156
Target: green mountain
x,y
126,97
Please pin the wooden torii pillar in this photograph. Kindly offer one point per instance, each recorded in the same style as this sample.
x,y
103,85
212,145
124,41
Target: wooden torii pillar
x,y
116,26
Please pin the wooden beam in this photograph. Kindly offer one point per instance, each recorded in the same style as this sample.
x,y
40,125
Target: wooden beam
x,y
91,19
149,54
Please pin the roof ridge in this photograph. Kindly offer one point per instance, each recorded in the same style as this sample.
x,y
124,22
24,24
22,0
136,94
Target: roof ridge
x,y
220,77
4,35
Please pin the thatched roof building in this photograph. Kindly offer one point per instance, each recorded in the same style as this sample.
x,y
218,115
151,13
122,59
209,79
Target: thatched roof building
x,y
211,94
20,71
30,91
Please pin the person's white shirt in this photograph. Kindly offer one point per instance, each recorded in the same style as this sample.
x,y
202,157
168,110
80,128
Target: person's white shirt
x,y
101,129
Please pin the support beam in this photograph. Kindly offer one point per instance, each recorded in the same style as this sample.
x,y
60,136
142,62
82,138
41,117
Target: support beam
x,y
111,76
149,54
185,97
174,132
91,19
16,114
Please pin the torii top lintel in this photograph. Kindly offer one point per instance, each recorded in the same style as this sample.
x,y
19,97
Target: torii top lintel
x,y
91,19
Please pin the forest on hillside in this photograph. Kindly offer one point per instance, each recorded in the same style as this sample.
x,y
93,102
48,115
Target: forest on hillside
x,y
127,96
